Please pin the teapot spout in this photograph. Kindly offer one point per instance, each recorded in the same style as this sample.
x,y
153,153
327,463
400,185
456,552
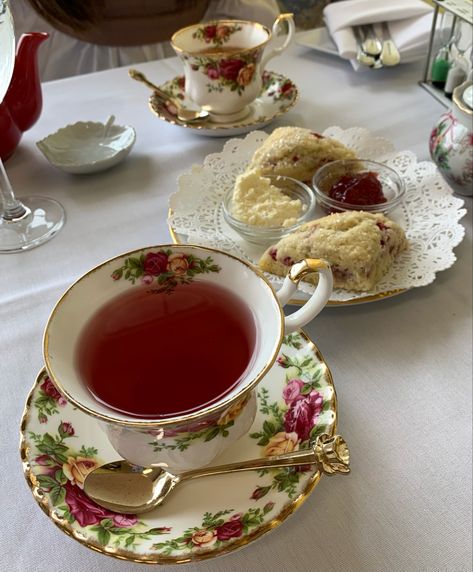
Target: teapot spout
x,y
24,97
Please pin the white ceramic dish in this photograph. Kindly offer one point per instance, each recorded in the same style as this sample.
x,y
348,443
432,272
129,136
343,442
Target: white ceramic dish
x,y
88,146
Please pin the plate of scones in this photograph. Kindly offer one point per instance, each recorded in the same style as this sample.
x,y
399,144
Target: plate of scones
x,y
374,252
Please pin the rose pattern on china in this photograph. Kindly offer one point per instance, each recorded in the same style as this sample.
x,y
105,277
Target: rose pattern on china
x,y
294,423
60,472
233,72
48,400
451,149
58,460
164,269
216,529
216,34
277,91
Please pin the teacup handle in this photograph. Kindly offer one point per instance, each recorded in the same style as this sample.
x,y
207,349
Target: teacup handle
x,y
318,299
291,28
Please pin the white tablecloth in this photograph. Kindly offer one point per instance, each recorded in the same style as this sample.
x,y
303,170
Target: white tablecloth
x,y
402,366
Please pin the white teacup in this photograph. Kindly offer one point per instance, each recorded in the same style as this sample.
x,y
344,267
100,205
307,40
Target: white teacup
x,y
206,429
224,61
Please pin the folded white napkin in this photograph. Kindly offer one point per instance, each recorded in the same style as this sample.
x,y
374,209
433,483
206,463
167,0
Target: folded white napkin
x,y
409,23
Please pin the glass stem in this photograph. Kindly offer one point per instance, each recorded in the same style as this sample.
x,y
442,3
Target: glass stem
x,y
13,209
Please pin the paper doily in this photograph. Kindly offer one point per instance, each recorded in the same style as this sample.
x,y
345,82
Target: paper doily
x,y
429,213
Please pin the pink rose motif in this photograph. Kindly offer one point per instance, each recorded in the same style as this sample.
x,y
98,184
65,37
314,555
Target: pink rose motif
x,y
233,528
210,32
292,390
86,512
155,263
303,414
230,68
147,279
213,73
66,429
48,388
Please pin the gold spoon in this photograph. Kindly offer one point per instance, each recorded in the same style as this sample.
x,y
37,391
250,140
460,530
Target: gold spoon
x,y
130,489
173,105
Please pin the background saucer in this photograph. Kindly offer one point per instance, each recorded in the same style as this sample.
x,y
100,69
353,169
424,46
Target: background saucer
x,y
278,96
205,518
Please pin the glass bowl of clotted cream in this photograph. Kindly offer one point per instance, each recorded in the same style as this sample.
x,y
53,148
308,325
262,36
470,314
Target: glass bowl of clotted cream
x,y
264,208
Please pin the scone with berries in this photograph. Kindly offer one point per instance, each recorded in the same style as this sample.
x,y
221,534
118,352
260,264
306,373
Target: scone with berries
x,y
359,246
297,152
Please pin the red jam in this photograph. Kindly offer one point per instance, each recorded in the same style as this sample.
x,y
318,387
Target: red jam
x,y
358,189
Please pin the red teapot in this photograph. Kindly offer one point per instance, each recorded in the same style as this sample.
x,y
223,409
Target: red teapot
x,y
23,101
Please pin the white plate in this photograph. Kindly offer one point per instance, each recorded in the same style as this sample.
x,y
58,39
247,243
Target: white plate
x,y
278,96
429,213
318,39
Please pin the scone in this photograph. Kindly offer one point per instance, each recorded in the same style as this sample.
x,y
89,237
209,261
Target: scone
x,y
359,246
297,152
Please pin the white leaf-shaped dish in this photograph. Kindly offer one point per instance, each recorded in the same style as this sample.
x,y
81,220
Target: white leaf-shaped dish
x,y
87,146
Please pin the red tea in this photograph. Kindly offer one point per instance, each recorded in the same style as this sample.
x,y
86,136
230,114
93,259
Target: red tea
x,y
152,354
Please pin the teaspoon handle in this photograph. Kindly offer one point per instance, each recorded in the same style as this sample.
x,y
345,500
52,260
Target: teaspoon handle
x,y
138,76
329,453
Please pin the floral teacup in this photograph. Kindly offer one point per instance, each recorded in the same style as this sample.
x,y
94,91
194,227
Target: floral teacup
x,y
193,437
224,62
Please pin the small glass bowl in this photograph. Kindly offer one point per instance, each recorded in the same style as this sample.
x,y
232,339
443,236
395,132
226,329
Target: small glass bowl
x,y
392,185
266,235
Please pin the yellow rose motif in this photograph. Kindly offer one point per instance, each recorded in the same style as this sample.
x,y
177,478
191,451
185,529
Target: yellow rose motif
x,y
245,75
282,443
232,412
222,32
178,264
77,468
204,537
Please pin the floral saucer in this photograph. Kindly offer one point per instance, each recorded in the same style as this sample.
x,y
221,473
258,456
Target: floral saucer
x,y
207,517
278,96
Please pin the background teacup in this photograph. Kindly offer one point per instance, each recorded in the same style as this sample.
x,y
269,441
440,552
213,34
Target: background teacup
x,y
185,437
224,61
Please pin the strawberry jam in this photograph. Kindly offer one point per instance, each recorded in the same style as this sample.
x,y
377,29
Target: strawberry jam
x,y
358,189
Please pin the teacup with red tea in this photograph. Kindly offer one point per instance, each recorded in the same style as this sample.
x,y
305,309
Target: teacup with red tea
x,y
166,344
224,62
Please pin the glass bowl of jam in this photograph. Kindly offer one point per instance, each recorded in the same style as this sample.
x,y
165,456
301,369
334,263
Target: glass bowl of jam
x,y
357,184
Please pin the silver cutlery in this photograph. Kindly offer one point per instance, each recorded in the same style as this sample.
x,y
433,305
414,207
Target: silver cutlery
x,y
390,55
371,44
361,56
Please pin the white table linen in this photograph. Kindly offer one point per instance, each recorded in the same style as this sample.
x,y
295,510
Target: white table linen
x,y
402,366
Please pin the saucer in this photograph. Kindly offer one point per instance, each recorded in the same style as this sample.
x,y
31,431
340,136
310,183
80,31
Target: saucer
x,y
207,517
278,96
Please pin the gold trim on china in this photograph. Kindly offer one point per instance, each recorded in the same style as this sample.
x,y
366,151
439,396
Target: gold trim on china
x,y
301,269
211,410
211,126
299,302
121,554
223,23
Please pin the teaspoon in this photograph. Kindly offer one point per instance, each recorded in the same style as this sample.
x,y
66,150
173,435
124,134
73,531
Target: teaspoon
x,y
130,489
173,105
362,57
